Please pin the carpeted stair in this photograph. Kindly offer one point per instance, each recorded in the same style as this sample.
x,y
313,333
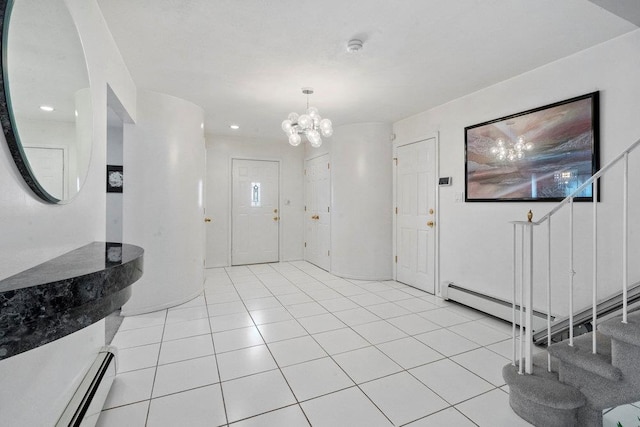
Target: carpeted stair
x,y
581,384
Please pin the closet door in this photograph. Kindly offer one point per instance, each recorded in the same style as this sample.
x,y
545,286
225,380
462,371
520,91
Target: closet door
x,y
317,212
415,195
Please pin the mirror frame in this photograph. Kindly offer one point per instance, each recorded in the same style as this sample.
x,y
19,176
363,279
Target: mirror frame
x,y
7,119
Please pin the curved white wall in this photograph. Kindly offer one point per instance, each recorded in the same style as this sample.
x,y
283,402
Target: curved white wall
x,y
361,199
164,169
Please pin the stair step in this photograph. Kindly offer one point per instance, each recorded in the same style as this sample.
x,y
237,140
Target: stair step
x,y
626,332
543,400
579,355
545,391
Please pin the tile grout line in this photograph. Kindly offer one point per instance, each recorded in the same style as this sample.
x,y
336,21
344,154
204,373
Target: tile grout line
x,y
297,402
155,373
374,345
314,277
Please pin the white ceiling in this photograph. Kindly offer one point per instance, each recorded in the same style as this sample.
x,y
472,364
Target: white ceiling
x,y
245,61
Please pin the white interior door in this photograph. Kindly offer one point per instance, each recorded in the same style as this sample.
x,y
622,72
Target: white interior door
x,y
317,213
415,196
255,217
48,166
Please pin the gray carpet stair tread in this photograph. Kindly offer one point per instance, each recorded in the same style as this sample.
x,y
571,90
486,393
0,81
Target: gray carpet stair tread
x,y
628,333
544,391
604,394
580,355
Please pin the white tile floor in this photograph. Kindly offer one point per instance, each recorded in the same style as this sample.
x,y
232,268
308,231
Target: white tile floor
x,y
289,344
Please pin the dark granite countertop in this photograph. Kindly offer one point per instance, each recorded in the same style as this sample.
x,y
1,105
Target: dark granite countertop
x,y
65,294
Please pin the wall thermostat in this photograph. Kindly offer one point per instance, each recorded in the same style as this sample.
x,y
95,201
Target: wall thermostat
x,y
444,180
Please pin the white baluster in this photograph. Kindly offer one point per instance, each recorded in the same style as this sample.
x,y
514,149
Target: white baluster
x,y
521,368
548,292
595,264
513,299
625,236
529,330
571,272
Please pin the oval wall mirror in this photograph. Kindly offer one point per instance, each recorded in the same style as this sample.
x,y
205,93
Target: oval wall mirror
x,y
45,108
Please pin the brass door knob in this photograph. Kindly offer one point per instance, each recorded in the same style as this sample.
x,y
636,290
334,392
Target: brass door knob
x,y
430,224
275,218
207,220
275,211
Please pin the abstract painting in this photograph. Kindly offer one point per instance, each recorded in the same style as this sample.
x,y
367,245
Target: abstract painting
x,y
543,154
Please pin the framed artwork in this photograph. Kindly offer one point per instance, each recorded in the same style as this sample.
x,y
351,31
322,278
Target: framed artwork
x,y
115,180
542,154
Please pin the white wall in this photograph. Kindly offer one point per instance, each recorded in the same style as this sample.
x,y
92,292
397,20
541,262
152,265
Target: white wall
x,y
361,201
475,237
220,151
37,385
164,164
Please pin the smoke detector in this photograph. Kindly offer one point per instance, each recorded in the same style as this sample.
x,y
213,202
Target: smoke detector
x,y
354,45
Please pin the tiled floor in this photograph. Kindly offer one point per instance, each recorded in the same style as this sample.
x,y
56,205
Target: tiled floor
x,y
289,344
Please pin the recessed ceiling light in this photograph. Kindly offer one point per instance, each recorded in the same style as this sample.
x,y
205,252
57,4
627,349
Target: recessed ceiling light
x,y
46,108
234,127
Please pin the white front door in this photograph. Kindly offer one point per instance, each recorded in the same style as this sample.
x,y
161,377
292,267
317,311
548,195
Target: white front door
x,y
317,213
415,196
255,215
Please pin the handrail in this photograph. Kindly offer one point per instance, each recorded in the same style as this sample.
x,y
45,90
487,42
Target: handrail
x,y
588,182
523,262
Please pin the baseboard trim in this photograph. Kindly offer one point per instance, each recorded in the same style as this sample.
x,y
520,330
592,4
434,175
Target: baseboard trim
x,y
494,306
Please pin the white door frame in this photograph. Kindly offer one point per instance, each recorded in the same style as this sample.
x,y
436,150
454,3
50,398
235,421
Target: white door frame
x,y
304,235
436,229
230,201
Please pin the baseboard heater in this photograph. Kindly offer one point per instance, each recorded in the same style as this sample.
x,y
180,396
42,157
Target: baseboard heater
x,y
494,306
86,404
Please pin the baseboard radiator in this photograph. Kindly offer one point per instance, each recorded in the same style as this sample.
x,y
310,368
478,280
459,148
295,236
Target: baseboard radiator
x,y
494,306
86,404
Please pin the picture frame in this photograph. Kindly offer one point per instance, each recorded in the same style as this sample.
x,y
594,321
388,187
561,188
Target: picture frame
x,y
115,179
539,155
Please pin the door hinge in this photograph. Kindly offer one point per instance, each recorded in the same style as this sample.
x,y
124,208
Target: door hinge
x,y
395,159
396,259
328,210
396,210
305,208
305,244
328,253
328,165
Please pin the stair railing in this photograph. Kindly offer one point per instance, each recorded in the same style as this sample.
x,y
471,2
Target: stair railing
x,y
523,267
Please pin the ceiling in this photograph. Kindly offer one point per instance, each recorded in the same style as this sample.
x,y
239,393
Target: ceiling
x,y
245,61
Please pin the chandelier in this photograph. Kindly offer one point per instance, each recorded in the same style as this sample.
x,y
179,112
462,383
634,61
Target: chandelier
x,y
310,125
508,150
